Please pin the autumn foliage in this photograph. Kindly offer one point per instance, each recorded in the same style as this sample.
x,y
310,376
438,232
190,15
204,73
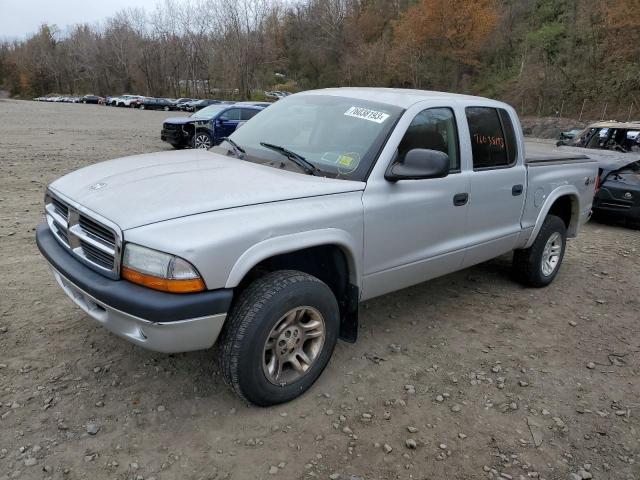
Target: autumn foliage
x,y
540,55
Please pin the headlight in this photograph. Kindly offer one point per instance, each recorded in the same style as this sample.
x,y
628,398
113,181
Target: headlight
x,y
160,271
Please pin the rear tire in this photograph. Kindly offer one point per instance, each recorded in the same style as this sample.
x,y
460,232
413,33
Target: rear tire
x,y
279,337
539,264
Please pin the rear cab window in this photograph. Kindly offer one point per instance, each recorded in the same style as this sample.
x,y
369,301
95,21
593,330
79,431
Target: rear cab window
x,y
493,138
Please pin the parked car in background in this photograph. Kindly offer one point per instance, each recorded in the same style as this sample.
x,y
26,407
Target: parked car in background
x,y
276,94
569,134
127,100
268,243
616,147
206,127
614,136
196,105
181,102
92,99
151,103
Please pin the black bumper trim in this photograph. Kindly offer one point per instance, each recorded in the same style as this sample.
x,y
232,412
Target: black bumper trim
x,y
127,297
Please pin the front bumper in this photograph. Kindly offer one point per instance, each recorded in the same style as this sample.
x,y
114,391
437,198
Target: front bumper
x,y
175,137
164,322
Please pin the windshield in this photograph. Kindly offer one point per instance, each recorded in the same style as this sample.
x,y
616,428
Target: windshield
x,y
340,136
208,112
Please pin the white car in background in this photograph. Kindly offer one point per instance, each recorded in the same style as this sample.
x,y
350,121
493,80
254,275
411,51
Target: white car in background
x,y
125,100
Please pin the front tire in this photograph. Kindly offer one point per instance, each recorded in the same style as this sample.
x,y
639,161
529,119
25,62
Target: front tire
x,y
539,264
279,337
202,140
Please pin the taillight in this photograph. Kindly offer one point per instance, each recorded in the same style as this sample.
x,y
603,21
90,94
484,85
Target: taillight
x,y
597,187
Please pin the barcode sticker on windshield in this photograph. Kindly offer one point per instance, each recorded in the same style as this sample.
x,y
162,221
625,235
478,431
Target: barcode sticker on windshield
x,y
366,114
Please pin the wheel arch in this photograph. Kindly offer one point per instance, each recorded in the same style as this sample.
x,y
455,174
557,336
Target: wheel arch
x,y
563,202
328,254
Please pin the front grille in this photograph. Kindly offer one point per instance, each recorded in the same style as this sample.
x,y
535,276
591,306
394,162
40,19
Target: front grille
x,y
97,231
171,127
96,255
60,207
93,241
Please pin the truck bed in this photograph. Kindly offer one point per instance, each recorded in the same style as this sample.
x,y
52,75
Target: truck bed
x,y
541,152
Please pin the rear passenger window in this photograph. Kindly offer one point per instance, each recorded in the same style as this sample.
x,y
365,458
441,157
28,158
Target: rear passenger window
x,y
493,140
233,114
433,129
247,113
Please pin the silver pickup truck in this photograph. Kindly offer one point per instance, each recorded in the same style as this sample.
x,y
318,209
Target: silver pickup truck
x,y
267,243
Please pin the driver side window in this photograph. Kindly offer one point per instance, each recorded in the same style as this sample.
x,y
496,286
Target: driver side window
x,y
433,129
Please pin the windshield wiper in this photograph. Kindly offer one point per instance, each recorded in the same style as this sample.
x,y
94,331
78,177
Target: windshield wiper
x,y
298,159
237,149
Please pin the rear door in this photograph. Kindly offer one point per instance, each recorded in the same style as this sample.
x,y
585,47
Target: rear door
x,y
248,113
497,183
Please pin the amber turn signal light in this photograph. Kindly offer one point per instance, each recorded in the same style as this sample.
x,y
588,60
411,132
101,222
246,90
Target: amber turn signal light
x,y
191,285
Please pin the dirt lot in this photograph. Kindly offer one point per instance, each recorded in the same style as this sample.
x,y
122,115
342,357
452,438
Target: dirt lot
x,y
487,377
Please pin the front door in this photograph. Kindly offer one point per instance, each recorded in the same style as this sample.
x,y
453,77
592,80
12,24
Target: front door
x,y
414,230
227,122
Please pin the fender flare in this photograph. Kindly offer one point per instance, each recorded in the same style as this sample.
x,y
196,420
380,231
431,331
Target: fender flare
x,y
564,190
297,241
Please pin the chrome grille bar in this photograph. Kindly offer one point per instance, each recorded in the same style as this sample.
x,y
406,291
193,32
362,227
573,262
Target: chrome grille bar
x,y
93,240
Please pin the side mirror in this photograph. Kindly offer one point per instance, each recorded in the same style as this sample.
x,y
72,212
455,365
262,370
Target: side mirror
x,y
419,164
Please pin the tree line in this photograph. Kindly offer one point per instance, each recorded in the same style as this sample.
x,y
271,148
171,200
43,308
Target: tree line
x,y
535,54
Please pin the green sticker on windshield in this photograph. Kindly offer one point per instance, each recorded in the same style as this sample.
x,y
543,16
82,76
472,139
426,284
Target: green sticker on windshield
x,y
348,162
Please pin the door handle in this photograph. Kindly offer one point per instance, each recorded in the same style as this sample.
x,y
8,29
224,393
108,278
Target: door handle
x,y
517,190
460,199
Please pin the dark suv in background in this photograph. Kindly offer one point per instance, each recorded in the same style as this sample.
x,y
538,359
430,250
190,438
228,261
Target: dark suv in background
x,y
92,99
151,103
206,127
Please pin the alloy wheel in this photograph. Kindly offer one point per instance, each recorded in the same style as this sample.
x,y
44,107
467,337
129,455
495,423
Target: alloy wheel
x,y
203,141
551,254
293,345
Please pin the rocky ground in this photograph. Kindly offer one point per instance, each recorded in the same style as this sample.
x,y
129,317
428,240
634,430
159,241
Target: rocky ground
x,y
470,376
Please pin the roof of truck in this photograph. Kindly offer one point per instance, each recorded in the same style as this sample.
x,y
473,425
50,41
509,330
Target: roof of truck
x,y
402,97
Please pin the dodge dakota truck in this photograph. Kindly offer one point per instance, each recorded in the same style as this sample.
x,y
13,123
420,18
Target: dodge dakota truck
x,y
266,244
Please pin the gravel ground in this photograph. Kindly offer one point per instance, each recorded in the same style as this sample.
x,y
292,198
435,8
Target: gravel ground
x,y
468,376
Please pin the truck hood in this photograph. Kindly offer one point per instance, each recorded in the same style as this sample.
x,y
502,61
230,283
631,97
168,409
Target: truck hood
x,y
143,189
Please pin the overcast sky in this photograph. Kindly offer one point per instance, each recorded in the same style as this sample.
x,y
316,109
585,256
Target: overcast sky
x,y
19,18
